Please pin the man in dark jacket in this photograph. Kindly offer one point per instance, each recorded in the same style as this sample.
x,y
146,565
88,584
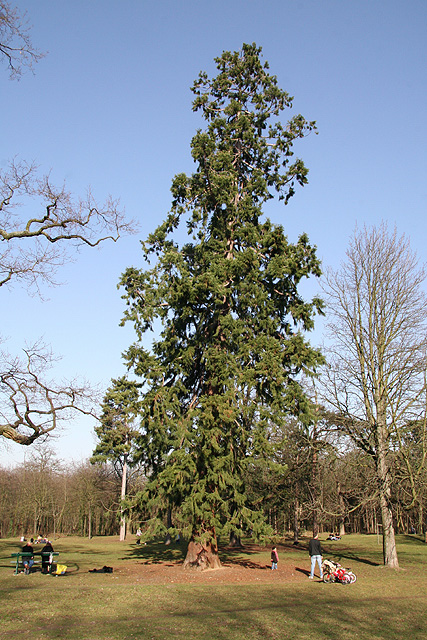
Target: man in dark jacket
x,y
315,551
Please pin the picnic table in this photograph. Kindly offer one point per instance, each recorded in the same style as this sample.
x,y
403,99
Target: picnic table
x,y
28,554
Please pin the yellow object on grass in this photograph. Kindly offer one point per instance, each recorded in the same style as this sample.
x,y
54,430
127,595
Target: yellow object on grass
x,y
60,570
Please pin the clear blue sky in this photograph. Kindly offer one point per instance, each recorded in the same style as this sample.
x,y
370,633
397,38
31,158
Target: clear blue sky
x,y
110,107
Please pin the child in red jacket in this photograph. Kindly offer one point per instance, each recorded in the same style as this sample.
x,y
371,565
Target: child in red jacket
x,y
274,558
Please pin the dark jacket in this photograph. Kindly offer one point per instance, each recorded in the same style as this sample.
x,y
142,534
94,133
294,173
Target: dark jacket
x,y
314,547
45,559
47,548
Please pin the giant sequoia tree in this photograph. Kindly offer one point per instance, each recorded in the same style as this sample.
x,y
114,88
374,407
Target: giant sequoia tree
x,y
226,364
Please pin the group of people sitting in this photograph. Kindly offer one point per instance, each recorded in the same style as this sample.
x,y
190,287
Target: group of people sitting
x,y
28,561
333,536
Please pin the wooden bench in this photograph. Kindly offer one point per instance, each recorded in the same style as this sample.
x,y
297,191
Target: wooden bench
x,y
27,554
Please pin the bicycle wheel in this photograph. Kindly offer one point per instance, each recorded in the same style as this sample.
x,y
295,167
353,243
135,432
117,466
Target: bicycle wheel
x,y
352,577
328,577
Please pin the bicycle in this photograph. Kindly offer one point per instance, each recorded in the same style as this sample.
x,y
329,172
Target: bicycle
x,y
334,572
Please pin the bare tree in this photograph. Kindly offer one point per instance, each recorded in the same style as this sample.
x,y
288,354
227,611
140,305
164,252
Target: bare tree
x,y
376,382
41,228
16,47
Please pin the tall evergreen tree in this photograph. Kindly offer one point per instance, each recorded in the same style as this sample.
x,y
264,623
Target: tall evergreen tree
x,y
226,364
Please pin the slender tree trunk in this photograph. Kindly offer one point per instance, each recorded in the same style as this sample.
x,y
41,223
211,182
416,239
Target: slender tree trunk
x,y
315,474
342,511
296,512
122,497
169,525
89,523
314,491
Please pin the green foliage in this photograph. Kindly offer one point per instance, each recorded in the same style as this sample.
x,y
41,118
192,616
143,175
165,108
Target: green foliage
x,y
231,350
117,430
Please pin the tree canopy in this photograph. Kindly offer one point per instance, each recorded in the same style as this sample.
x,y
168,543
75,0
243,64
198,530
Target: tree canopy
x,y
231,350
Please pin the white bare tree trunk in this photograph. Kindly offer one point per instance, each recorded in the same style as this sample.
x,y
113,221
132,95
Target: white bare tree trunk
x,y
122,496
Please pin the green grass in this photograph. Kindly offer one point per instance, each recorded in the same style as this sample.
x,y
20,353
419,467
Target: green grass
x,y
382,604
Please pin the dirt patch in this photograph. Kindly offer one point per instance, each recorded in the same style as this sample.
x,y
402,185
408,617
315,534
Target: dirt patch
x,y
166,573
234,571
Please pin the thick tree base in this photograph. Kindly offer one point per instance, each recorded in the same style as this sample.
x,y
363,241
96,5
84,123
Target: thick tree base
x,y
201,557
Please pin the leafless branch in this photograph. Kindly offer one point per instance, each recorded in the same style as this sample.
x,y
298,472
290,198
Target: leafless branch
x,y
34,246
16,47
31,406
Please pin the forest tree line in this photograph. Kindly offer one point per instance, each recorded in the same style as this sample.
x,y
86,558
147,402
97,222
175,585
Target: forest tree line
x,y
308,478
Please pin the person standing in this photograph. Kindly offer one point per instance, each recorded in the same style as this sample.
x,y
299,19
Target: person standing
x,y
274,558
315,551
47,559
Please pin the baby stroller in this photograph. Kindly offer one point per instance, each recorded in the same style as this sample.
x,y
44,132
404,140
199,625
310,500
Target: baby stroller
x,y
334,572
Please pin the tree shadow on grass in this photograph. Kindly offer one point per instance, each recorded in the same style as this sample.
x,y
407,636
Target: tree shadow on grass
x,y
414,539
239,555
347,554
157,552
244,564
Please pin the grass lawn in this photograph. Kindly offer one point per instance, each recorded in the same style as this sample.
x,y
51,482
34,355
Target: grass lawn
x,y
149,596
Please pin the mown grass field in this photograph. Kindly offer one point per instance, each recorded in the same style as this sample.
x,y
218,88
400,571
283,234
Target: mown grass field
x,y
148,596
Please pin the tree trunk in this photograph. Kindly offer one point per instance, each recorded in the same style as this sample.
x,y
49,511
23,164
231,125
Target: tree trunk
x,y
122,497
89,523
389,543
168,539
201,557
314,491
342,512
235,540
420,518
296,511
